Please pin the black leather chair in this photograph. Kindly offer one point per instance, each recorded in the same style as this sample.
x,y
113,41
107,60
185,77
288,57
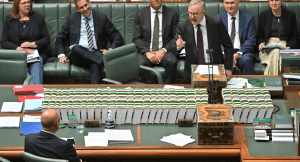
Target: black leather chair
x,y
122,66
28,157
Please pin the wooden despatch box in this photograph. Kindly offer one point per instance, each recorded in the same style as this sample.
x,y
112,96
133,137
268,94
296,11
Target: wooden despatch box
x,y
201,81
214,124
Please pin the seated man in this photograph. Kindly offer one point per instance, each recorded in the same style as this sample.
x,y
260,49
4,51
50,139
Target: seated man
x,y
154,28
46,144
242,31
87,32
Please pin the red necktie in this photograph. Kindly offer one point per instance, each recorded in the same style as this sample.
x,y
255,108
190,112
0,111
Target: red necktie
x,y
201,59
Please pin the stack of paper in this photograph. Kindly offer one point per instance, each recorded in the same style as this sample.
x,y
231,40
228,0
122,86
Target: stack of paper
x,y
119,136
28,118
9,121
12,107
178,139
33,57
261,135
282,136
33,106
95,139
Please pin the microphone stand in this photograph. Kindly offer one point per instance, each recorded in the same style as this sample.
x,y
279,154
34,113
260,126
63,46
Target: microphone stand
x,y
211,81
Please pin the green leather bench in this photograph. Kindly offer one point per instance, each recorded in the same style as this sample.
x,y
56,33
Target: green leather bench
x,y
122,16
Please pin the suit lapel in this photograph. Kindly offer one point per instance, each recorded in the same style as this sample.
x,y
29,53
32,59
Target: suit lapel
x,y
191,33
77,26
164,17
209,27
224,18
96,24
32,20
268,21
286,22
148,22
241,24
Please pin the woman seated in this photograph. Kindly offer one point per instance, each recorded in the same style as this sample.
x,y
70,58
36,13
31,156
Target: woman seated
x,y
276,26
24,29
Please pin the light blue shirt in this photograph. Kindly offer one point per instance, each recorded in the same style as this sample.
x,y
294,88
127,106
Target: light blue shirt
x,y
83,41
49,132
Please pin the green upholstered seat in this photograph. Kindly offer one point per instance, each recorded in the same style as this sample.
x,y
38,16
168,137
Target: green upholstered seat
x,y
13,67
3,159
28,157
122,65
122,16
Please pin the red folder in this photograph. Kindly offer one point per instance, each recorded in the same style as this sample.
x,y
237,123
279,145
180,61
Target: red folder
x,y
23,98
28,89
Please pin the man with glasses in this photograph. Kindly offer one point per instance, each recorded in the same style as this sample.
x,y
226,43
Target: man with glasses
x,y
46,143
199,33
242,31
154,29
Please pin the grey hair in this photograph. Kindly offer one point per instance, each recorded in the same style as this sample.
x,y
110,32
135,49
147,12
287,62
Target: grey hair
x,y
200,2
75,2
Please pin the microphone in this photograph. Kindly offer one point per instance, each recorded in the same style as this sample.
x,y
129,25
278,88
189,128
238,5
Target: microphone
x,y
211,80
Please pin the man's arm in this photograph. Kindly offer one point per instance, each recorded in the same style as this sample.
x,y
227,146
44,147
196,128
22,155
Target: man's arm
x,y
113,34
226,42
70,153
174,22
260,30
137,36
62,37
250,41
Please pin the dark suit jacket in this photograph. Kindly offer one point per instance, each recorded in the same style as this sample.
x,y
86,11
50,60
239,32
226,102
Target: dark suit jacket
x,y
142,29
48,145
104,32
216,35
289,23
39,33
247,31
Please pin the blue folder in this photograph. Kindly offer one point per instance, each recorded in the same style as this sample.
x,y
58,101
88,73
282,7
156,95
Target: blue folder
x,y
30,127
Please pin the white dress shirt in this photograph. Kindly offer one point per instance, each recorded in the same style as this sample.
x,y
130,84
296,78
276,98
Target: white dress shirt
x,y
160,41
204,37
237,43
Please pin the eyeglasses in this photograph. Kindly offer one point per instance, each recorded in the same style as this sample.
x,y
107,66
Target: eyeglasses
x,y
25,3
195,14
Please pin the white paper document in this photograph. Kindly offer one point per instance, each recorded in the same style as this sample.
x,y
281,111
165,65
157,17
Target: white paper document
x,y
237,83
178,139
12,107
95,139
9,121
203,69
119,136
173,87
28,118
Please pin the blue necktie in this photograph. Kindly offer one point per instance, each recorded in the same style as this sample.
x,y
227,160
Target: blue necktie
x,y
89,34
232,36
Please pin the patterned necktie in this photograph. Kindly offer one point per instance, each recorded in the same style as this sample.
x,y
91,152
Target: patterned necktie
x,y
232,36
89,34
155,39
200,46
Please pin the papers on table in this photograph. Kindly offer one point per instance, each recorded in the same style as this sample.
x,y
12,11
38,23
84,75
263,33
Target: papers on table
x,y
95,139
71,140
203,69
178,139
173,87
119,136
12,107
291,76
23,98
9,121
28,118
32,106
237,83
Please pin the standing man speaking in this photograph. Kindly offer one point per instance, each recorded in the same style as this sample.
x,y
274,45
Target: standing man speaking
x,y
199,33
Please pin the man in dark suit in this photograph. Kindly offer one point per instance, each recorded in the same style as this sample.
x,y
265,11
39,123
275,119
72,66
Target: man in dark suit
x,y
46,144
242,31
88,33
153,30
199,33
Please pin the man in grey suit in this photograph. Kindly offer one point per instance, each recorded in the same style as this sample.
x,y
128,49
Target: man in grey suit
x,y
211,35
154,29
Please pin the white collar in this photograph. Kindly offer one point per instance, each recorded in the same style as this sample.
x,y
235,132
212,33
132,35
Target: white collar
x,y
152,10
48,132
90,17
202,23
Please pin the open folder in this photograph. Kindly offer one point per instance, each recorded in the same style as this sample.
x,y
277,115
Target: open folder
x,y
30,127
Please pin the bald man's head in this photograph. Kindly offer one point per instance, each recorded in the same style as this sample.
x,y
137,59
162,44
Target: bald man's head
x,y
49,120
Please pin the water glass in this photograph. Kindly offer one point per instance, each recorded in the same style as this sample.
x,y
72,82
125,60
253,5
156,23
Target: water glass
x,y
80,128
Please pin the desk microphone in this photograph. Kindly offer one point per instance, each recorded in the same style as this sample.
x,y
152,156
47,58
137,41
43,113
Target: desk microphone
x,y
211,81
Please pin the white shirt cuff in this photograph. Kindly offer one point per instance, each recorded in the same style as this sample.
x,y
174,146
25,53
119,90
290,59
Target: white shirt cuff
x,y
61,55
165,50
241,53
